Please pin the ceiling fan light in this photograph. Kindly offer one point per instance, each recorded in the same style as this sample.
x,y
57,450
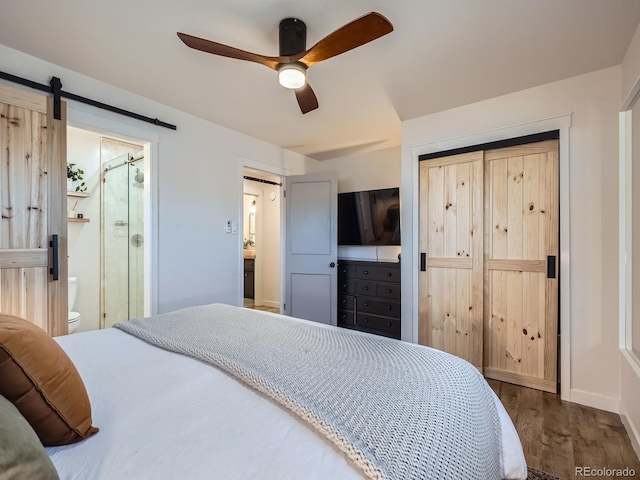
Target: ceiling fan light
x,y
292,76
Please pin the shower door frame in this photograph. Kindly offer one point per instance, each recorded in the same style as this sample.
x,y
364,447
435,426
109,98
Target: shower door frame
x,y
149,141
111,307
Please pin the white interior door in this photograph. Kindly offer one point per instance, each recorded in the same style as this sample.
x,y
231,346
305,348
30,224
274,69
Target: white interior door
x,y
311,288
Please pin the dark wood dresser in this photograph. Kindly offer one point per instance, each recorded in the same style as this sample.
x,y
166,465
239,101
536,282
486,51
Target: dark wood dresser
x,y
369,297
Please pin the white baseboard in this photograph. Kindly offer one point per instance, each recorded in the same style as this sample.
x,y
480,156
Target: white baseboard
x,y
610,404
631,429
269,303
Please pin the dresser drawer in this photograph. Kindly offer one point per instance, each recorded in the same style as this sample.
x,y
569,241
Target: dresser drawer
x,y
347,271
383,274
346,318
388,308
346,302
346,285
389,290
374,322
364,287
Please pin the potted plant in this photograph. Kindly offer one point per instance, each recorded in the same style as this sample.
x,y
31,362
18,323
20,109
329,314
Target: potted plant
x,y
75,177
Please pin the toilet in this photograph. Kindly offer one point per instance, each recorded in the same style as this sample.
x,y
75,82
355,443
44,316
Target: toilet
x,y
74,317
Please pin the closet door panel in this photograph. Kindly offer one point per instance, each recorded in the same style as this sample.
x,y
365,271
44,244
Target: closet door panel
x,y
451,231
522,215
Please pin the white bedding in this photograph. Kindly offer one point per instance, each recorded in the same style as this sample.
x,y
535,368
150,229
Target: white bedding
x,y
166,416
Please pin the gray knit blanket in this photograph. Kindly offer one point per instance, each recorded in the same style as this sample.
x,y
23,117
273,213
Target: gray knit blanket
x,y
397,410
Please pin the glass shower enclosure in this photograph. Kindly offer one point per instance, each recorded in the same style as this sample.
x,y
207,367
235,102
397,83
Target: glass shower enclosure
x,y
122,239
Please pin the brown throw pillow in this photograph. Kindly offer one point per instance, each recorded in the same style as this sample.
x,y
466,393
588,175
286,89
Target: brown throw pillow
x,y
38,377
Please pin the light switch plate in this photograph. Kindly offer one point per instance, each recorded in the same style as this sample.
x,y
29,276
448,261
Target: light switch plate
x,y
234,228
227,227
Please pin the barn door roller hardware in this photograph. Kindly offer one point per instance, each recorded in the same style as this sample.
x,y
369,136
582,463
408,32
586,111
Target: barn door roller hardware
x,y
262,180
55,88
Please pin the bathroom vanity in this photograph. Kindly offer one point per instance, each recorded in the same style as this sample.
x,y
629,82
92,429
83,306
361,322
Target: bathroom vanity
x,y
249,274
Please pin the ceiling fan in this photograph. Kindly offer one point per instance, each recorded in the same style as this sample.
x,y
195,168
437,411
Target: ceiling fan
x,y
295,59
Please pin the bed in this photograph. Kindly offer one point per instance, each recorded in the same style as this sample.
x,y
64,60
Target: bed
x,y
165,415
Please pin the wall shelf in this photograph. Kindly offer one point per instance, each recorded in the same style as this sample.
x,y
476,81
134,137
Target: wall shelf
x,y
77,194
78,220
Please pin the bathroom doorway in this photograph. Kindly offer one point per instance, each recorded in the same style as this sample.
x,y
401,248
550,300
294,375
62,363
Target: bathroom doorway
x,y
107,228
261,234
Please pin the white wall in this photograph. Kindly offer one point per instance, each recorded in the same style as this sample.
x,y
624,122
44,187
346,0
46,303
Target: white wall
x,y
198,186
364,171
83,149
270,246
631,66
593,100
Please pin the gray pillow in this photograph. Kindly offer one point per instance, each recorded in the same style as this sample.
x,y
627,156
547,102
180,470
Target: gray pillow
x,y
21,453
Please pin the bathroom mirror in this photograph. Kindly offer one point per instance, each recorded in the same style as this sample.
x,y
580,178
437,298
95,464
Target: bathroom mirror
x,y
252,227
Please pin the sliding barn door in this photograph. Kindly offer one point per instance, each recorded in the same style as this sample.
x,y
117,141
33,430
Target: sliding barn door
x,y
522,220
451,237
33,205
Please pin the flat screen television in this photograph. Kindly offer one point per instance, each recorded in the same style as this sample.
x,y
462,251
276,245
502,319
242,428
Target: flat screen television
x,y
369,218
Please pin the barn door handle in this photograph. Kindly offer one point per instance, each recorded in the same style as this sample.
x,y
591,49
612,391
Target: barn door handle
x,y
551,266
54,270
423,262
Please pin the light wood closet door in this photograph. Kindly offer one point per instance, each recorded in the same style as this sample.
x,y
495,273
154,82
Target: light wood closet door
x,y
521,303
33,206
451,237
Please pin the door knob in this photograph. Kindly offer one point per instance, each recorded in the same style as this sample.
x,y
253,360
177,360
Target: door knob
x,y
332,264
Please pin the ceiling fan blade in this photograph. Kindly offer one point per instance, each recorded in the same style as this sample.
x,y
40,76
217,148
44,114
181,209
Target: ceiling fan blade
x,y
226,51
306,98
363,30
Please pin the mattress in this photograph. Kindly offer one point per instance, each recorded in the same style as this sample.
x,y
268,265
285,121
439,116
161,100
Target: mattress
x,y
164,416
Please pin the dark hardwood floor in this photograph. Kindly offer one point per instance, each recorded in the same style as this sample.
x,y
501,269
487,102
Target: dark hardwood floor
x,y
558,436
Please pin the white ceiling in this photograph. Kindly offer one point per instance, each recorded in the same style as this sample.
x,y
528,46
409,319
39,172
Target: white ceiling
x,y
442,54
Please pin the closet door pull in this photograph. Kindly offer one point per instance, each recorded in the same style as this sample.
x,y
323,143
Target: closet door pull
x,y
551,266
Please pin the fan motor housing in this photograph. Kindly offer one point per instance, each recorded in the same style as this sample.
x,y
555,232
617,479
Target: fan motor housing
x,y
293,37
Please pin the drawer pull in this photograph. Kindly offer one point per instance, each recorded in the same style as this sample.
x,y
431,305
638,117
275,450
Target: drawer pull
x,y
388,274
388,324
366,320
366,304
344,270
344,300
388,307
344,286
366,272
344,315
366,287
388,290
